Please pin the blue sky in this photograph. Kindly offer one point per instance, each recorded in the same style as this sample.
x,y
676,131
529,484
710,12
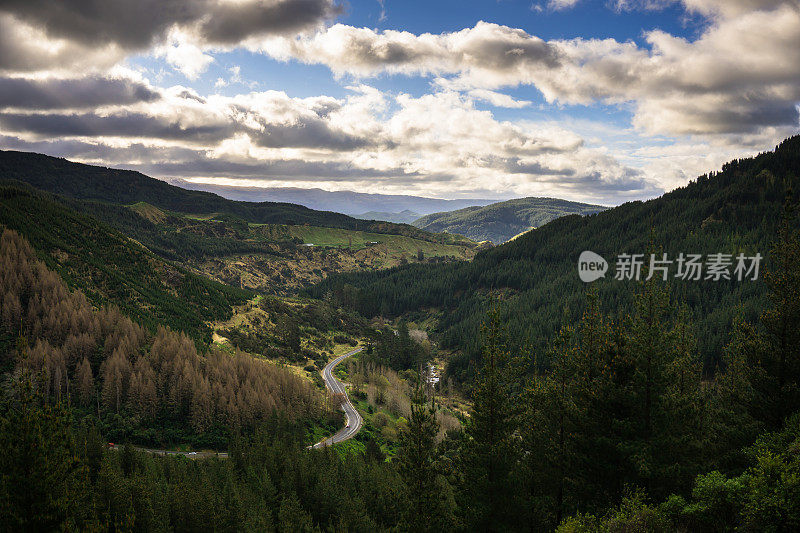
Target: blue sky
x,y
595,100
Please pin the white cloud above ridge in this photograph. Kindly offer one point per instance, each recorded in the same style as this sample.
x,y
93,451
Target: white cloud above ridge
x,y
436,142
734,89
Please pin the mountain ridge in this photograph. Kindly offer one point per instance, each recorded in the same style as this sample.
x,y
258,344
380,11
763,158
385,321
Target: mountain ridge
x,y
88,182
502,221
347,202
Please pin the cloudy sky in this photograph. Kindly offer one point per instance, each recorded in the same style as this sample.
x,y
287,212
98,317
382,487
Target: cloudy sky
x,y
594,100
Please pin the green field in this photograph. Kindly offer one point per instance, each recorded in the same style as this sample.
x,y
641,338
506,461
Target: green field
x,y
357,240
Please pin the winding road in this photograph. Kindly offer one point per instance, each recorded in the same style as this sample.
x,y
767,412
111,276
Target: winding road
x,y
352,424
353,420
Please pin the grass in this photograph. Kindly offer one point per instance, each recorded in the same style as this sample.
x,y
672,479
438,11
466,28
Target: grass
x,y
358,240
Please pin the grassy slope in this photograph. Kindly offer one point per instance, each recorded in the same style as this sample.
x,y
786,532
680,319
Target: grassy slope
x,y
501,221
357,240
270,257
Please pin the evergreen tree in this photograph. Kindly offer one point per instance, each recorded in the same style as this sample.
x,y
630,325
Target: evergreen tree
x,y
780,388
85,383
43,485
490,455
292,518
416,462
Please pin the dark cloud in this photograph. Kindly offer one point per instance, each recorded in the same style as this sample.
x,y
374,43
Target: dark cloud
x,y
505,53
230,23
742,116
186,162
118,125
307,133
72,93
129,24
632,183
86,150
290,169
304,132
141,23
515,166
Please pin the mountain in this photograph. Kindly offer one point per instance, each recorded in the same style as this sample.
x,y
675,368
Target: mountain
x,y
533,283
501,221
348,202
87,182
269,247
403,217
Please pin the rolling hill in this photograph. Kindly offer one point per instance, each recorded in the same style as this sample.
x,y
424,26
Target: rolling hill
x,y
501,221
110,268
87,182
269,247
403,217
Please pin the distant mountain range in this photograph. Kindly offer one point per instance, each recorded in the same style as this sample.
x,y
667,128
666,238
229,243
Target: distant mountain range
x,y
388,207
501,221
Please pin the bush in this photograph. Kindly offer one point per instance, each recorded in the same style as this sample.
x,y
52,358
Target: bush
x,y
389,433
380,420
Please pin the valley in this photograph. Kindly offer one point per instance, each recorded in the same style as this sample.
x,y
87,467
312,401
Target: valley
x,y
225,339
359,266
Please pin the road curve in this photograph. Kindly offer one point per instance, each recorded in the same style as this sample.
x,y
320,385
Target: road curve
x,y
353,420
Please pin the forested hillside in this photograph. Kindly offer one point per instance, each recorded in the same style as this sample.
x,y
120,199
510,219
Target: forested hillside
x,y
111,268
87,182
502,221
533,280
150,387
621,433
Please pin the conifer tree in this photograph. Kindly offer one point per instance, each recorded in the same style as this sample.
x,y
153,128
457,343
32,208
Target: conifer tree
x,y
490,454
85,382
43,486
292,518
780,391
416,460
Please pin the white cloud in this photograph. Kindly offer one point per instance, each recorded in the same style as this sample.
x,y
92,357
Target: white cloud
x,y
742,73
434,143
498,99
560,5
181,53
731,91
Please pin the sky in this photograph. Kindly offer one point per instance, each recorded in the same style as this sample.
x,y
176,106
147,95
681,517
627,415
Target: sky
x,y
602,101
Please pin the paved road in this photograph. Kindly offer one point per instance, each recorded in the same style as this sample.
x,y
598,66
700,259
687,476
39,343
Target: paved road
x,y
352,418
190,455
